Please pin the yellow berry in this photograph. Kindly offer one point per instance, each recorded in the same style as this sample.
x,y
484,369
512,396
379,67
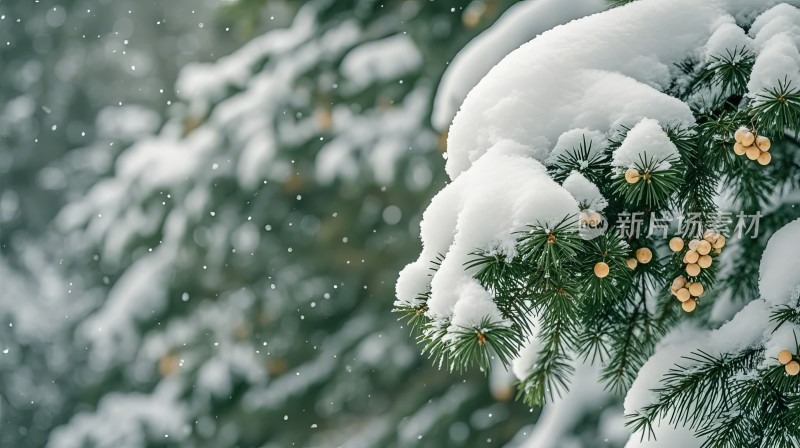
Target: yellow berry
x,y
632,263
676,244
763,143
683,294
693,244
644,255
739,134
752,152
632,176
764,158
704,261
693,270
703,247
689,305
748,138
738,148
696,289
793,368
601,270
784,357
679,282
691,257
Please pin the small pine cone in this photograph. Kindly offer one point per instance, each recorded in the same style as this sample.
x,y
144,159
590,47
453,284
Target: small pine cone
x,y
784,357
752,152
739,149
691,257
764,158
644,255
793,368
632,263
632,175
683,294
763,143
704,261
676,244
601,270
689,305
696,289
748,138
693,270
703,247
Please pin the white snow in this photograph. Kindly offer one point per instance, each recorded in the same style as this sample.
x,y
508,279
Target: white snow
x,y
559,418
467,215
381,60
727,39
776,34
646,142
474,305
585,192
568,142
519,24
126,419
780,275
587,74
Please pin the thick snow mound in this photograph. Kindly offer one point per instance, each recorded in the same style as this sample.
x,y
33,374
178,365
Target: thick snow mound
x,y
646,142
467,215
587,74
521,23
780,265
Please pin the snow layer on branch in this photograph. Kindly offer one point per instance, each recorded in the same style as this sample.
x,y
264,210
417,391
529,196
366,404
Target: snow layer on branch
x,y
474,305
587,74
209,82
381,60
645,142
584,191
726,39
667,436
126,419
518,25
572,140
470,214
559,419
780,276
777,38
750,327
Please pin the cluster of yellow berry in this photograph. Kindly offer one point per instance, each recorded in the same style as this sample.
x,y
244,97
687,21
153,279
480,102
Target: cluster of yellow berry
x,y
790,364
753,146
687,292
696,258
643,255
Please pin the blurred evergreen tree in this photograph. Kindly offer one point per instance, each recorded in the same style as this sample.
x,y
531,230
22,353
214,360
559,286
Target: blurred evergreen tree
x,y
229,276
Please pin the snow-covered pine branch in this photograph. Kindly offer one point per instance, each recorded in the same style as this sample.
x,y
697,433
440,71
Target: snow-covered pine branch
x,y
632,110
